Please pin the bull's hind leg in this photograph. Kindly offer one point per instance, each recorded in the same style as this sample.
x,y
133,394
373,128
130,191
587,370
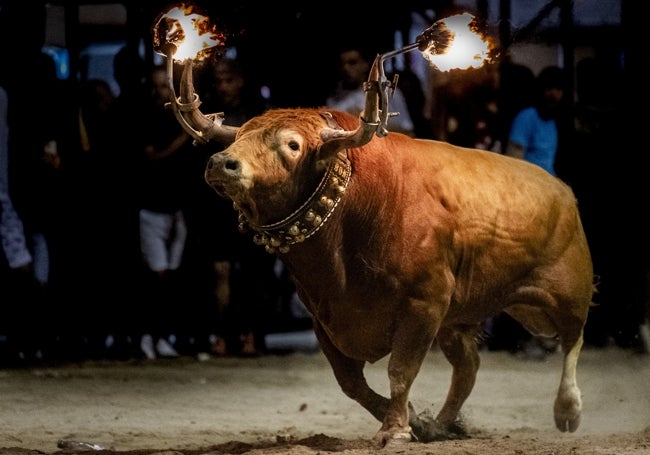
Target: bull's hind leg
x,y
568,404
568,325
459,345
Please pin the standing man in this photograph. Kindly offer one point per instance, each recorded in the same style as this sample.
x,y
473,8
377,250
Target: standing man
x,y
534,135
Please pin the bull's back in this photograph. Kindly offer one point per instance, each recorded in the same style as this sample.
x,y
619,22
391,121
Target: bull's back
x,y
496,221
494,195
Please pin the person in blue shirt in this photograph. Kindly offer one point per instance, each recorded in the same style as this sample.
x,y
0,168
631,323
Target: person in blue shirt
x,y
534,134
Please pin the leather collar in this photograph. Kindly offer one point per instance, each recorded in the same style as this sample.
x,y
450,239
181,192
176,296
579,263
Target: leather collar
x,y
310,216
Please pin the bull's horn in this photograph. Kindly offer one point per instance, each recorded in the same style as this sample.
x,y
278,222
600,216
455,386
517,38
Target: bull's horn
x,y
201,127
370,114
336,139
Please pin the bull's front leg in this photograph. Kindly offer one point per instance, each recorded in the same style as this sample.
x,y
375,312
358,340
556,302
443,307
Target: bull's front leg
x,y
411,343
349,375
459,345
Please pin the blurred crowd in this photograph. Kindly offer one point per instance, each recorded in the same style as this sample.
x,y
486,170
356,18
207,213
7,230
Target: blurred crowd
x,y
114,246
119,248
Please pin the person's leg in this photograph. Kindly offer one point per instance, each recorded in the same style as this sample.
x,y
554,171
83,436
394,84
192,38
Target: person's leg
x,y
176,241
154,231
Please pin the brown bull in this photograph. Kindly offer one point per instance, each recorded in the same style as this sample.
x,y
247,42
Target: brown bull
x,y
395,242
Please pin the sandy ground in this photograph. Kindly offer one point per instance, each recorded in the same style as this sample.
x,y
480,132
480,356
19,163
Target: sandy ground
x,y
291,404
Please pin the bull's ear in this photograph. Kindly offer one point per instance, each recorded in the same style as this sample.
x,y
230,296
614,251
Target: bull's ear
x,y
331,121
336,138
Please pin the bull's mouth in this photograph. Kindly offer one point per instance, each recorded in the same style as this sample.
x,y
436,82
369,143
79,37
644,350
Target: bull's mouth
x,y
227,189
216,184
223,184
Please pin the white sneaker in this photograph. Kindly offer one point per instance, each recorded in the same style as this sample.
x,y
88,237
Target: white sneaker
x,y
165,349
146,345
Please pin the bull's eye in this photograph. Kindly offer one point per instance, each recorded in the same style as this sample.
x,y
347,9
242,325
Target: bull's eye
x,y
293,145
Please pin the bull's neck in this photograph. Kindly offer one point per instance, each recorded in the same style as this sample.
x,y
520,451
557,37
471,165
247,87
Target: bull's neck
x,y
310,216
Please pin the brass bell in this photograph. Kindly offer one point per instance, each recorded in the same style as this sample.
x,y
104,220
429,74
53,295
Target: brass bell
x,y
260,239
326,202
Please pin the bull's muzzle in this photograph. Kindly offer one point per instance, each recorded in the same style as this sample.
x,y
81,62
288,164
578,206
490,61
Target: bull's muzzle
x,y
221,169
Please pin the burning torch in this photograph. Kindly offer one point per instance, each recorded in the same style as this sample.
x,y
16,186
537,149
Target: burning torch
x,y
183,35
450,43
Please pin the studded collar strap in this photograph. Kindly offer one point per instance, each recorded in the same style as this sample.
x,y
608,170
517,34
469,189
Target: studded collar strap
x,y
310,216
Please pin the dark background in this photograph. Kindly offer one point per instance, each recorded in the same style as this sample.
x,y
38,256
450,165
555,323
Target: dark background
x,y
292,49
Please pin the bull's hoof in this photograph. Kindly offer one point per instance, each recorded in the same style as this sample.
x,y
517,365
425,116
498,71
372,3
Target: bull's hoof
x,y
427,429
567,410
569,425
392,439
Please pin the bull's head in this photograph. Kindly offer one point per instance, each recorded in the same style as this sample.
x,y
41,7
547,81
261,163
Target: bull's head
x,y
282,176
283,170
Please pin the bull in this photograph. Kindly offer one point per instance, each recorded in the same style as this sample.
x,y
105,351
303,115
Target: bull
x,y
396,242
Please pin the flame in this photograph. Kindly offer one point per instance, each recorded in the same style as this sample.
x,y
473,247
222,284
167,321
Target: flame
x,y
191,33
467,47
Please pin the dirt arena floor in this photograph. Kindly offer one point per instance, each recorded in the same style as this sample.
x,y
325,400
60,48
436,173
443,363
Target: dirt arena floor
x,y
291,404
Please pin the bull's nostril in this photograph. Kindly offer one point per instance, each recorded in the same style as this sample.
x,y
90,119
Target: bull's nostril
x,y
232,165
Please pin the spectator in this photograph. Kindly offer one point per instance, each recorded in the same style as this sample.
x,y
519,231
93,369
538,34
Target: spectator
x,y
473,117
165,152
17,264
34,181
410,85
14,243
242,283
35,154
130,73
516,90
534,135
121,169
349,96
600,125
101,170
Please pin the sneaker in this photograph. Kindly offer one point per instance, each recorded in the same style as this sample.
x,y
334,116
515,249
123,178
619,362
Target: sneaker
x,y
165,349
248,345
218,345
146,345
